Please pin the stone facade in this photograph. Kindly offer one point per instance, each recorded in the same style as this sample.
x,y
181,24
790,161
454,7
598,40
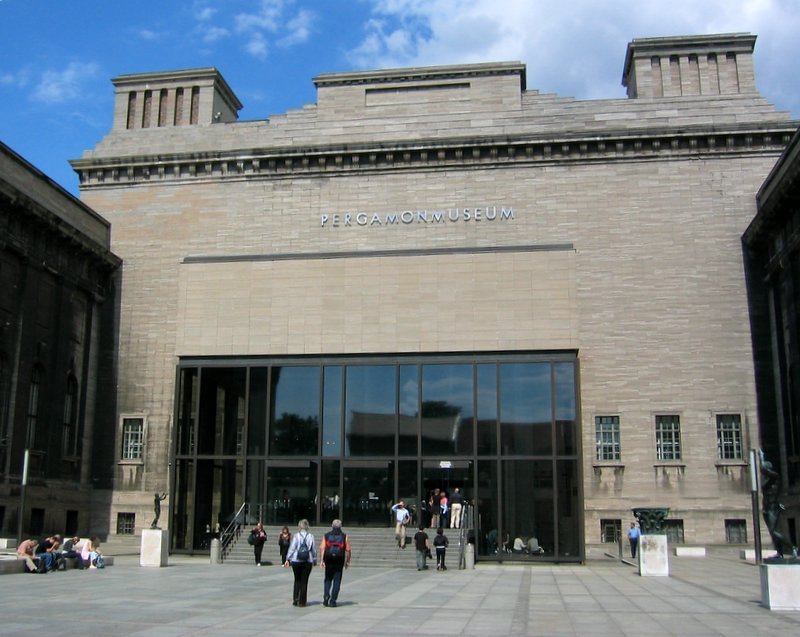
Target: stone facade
x,y
372,222
57,346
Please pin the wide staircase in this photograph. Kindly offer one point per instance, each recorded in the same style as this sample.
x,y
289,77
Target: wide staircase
x,y
374,547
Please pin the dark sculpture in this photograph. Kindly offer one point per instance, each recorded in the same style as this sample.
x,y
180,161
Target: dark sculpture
x,y
772,508
157,508
650,518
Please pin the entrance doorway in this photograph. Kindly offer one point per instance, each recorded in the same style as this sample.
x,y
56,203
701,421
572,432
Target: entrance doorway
x,y
440,478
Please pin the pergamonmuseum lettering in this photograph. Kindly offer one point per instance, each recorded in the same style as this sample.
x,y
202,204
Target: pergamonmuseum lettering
x,y
407,217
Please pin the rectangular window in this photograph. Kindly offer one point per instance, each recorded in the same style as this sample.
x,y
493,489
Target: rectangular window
x,y
607,436
674,531
736,531
132,438
126,523
668,437
729,436
610,531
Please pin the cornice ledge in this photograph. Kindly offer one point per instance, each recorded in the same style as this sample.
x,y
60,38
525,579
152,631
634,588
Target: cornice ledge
x,y
650,145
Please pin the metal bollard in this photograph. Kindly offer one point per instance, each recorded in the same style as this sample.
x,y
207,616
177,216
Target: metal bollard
x,y
469,556
215,551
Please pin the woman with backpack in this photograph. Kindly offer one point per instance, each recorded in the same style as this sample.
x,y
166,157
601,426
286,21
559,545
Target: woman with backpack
x,y
302,557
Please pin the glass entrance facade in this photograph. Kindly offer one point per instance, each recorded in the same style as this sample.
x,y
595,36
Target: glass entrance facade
x,y
346,437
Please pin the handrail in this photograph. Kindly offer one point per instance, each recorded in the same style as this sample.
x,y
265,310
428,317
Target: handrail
x,y
463,535
231,531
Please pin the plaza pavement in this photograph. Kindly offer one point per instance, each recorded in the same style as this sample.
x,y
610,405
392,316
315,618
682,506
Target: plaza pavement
x,y
702,596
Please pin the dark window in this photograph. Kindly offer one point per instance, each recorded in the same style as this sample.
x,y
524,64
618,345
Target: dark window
x,y
486,399
674,531
126,523
729,436
69,434
607,438
447,409
332,410
295,411
408,416
132,438
526,414
370,406
610,531
668,437
33,404
736,531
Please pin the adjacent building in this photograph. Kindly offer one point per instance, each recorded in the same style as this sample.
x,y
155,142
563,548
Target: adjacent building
x,y
437,278
773,272
58,303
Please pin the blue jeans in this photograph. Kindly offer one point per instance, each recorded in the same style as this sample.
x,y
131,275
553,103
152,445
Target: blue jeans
x,y
333,575
421,555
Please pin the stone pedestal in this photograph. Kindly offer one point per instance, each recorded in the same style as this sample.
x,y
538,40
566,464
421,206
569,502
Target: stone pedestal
x,y
653,555
154,548
780,586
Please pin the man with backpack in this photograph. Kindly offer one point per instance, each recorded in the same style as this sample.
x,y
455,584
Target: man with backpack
x,y
335,551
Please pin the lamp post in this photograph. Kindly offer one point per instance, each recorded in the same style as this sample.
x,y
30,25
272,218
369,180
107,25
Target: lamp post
x,y
754,500
22,496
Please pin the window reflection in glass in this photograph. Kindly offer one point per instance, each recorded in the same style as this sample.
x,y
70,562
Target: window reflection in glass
x,y
566,425
447,409
291,493
528,507
295,411
332,411
257,413
525,409
487,409
368,491
409,410
370,407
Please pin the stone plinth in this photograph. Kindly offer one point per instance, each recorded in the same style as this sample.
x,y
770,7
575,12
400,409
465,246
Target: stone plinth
x,y
653,555
154,548
780,586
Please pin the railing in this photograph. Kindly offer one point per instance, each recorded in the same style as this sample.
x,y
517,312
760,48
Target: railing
x,y
247,514
232,532
467,525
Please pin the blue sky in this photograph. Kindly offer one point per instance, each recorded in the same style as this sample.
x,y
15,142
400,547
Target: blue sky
x,y
59,56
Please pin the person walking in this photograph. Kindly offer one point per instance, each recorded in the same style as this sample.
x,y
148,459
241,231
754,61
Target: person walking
x,y
402,518
258,537
440,543
633,537
284,540
456,508
335,551
423,546
302,556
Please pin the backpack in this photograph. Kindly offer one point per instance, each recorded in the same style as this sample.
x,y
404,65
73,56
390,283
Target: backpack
x,y
302,551
99,562
251,539
334,548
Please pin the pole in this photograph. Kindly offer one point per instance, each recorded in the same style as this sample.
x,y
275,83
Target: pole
x,y
754,498
22,496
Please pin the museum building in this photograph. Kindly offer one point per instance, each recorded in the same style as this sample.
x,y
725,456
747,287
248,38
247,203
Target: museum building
x,y
436,278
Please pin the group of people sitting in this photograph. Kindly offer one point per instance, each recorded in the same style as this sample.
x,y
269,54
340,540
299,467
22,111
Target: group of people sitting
x,y
51,553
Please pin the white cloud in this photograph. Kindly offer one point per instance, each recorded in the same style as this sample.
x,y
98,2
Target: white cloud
x,y
147,34
265,18
204,14
62,86
212,34
573,48
257,46
298,28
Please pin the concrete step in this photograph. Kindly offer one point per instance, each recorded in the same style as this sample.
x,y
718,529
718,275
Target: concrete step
x,y
370,547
